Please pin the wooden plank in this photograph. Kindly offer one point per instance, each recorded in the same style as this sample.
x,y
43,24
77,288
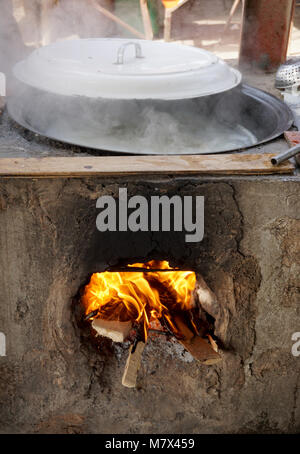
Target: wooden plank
x,y
116,19
292,137
146,19
167,25
132,365
202,351
240,164
199,348
231,14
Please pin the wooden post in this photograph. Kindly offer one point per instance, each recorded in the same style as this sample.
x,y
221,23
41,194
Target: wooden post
x,y
146,19
168,18
232,12
116,19
167,25
265,33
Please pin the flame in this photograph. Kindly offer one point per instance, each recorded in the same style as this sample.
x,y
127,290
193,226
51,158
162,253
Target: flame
x,y
140,296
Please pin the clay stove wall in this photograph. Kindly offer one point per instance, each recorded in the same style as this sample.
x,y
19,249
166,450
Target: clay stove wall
x,y
54,380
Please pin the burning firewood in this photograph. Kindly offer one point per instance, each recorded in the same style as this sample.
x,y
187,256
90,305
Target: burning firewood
x,y
118,331
151,293
201,350
198,347
134,357
115,330
206,298
133,364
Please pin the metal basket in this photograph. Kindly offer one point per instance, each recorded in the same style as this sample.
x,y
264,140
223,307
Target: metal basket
x,y
288,74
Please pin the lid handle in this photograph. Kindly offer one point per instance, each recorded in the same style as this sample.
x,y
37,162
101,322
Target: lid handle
x,y
121,51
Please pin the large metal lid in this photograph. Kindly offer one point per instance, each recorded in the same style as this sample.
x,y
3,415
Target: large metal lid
x,y
122,69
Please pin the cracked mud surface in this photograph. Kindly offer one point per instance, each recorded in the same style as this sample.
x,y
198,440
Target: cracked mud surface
x,y
54,380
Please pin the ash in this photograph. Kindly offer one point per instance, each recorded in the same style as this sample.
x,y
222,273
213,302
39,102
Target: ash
x,y
155,346
168,347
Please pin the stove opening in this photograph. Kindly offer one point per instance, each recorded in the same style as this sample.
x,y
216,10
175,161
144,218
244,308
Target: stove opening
x,y
144,300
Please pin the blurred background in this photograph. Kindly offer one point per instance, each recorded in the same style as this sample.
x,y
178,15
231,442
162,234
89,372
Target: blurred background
x,y
214,25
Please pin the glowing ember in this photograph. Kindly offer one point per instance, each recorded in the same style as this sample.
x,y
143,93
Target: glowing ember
x,y
140,296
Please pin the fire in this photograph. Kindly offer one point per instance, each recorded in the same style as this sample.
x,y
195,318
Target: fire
x,y
140,296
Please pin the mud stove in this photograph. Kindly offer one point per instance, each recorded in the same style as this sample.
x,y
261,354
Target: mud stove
x,y
57,376
218,306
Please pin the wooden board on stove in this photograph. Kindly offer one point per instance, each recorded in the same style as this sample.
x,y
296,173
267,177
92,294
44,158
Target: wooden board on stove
x,y
221,164
292,137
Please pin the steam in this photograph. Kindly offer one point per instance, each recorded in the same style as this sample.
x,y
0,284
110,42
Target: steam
x,y
71,19
160,127
28,24
189,130
12,47
149,126
152,130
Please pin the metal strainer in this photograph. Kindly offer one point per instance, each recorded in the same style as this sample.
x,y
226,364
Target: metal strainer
x,y
288,74
287,80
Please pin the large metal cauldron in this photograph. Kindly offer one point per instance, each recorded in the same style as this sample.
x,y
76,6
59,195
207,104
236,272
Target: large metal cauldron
x,y
150,105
